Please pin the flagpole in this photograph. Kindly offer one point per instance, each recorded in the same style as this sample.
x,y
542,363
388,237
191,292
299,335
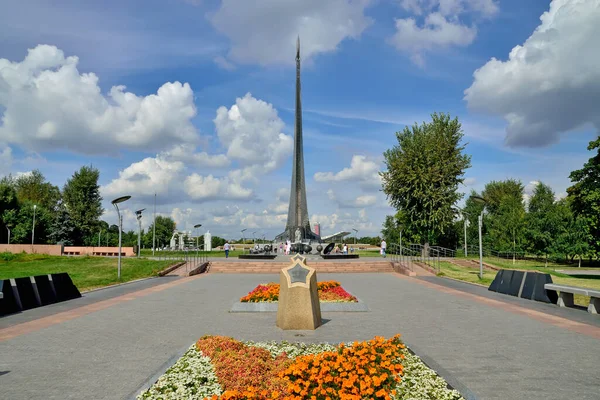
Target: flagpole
x,y
154,227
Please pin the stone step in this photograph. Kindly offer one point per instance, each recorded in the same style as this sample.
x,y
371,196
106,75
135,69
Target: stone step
x,y
322,267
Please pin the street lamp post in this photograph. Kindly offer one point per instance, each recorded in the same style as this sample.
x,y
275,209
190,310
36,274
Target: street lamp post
x,y
138,214
253,238
466,224
196,227
99,235
115,203
244,240
33,225
480,199
355,232
8,228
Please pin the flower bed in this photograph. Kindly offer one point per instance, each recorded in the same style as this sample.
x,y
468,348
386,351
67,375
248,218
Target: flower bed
x,y
218,368
329,291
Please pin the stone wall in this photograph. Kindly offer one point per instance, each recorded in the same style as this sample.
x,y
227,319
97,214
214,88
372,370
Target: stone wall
x,y
50,249
98,251
55,250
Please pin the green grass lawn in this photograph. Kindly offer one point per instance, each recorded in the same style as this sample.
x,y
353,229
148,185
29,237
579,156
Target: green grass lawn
x,y
472,275
86,272
525,264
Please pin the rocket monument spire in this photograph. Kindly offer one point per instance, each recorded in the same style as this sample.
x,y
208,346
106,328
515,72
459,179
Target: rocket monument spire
x,y
298,224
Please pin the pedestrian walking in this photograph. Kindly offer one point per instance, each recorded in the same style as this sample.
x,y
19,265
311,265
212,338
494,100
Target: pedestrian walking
x,y
383,246
226,248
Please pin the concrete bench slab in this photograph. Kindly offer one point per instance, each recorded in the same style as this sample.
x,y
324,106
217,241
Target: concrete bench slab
x,y
565,296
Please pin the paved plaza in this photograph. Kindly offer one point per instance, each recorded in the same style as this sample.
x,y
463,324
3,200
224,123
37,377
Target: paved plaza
x,y
110,343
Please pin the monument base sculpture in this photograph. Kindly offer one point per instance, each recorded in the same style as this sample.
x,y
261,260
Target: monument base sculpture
x,y
298,307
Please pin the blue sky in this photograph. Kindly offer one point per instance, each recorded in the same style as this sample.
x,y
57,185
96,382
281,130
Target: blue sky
x,y
206,118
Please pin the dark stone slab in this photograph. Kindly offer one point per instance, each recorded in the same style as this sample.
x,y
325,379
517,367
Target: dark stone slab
x,y
515,283
27,293
65,289
257,256
540,293
338,256
529,285
9,303
504,285
45,289
496,282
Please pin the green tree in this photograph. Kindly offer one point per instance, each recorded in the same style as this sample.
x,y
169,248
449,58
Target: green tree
x,y
61,230
507,225
23,224
497,192
8,208
216,241
584,195
505,214
164,231
33,187
542,220
391,228
82,198
423,174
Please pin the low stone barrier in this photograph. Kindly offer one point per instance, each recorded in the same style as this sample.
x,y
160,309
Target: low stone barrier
x,y
524,284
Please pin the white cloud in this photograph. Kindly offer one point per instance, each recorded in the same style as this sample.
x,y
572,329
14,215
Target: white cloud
x,y
188,155
49,104
362,171
5,160
146,177
336,222
551,83
252,132
528,190
283,195
437,31
441,27
358,202
470,181
203,188
224,63
265,31
450,7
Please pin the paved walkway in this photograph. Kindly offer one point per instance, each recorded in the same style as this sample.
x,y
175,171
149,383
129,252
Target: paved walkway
x,y
499,347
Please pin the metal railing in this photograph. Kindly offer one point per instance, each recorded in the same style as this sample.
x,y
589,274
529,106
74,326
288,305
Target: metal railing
x,y
192,257
414,255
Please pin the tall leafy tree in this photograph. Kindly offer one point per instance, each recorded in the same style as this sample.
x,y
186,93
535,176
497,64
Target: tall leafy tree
x,y
61,230
82,198
506,214
584,195
423,173
164,231
571,234
8,208
33,187
497,192
542,220
24,222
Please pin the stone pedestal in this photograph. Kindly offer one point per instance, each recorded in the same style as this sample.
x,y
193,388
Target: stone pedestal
x,y
298,307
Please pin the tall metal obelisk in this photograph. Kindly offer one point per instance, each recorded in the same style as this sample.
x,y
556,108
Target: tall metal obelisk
x,y
298,225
